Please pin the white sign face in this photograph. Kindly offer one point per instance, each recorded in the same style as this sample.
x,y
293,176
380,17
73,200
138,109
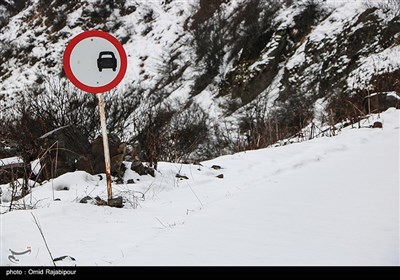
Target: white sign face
x,y
95,61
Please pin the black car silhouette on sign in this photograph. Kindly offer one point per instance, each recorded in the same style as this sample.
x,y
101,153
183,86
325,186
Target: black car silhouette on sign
x,y
107,60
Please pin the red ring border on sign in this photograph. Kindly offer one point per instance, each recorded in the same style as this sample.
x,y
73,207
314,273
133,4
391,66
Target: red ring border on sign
x,y
95,33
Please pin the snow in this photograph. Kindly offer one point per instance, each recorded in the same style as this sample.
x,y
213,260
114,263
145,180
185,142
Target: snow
x,y
335,23
11,161
36,166
390,93
343,13
393,94
53,131
385,61
327,201
167,27
298,58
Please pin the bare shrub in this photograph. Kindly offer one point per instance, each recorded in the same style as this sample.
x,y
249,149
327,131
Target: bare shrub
x,y
188,129
60,104
162,133
209,39
55,105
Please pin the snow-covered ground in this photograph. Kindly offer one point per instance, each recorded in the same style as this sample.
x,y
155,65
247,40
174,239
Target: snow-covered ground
x,y
328,201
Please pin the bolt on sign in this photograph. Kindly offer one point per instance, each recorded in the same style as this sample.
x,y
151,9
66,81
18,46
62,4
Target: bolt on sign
x,y
95,62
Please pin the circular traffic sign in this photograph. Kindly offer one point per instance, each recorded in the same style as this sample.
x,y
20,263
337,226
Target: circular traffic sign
x,y
95,61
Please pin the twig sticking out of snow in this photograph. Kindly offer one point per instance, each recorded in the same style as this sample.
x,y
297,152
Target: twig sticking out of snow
x,y
44,239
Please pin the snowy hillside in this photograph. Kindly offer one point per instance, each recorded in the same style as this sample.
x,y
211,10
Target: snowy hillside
x,y
41,32
226,68
327,201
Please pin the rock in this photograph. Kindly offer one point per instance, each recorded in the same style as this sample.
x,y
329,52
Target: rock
x,y
96,147
138,167
9,171
65,261
141,169
377,124
86,163
181,176
63,257
130,181
67,144
114,145
220,176
116,202
93,162
122,148
216,167
98,165
100,201
116,162
85,199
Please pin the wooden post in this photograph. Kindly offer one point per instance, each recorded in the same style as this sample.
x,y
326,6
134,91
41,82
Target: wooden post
x,y
105,145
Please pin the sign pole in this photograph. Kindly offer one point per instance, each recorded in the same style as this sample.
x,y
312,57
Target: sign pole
x,y
105,145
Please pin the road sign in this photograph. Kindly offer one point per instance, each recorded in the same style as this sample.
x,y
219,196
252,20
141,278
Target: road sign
x,y
95,61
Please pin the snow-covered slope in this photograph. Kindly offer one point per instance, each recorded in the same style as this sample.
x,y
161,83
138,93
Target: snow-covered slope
x,y
328,201
293,61
34,40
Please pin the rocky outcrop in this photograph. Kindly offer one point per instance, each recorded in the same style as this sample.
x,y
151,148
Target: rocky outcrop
x,y
60,149
93,162
66,150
